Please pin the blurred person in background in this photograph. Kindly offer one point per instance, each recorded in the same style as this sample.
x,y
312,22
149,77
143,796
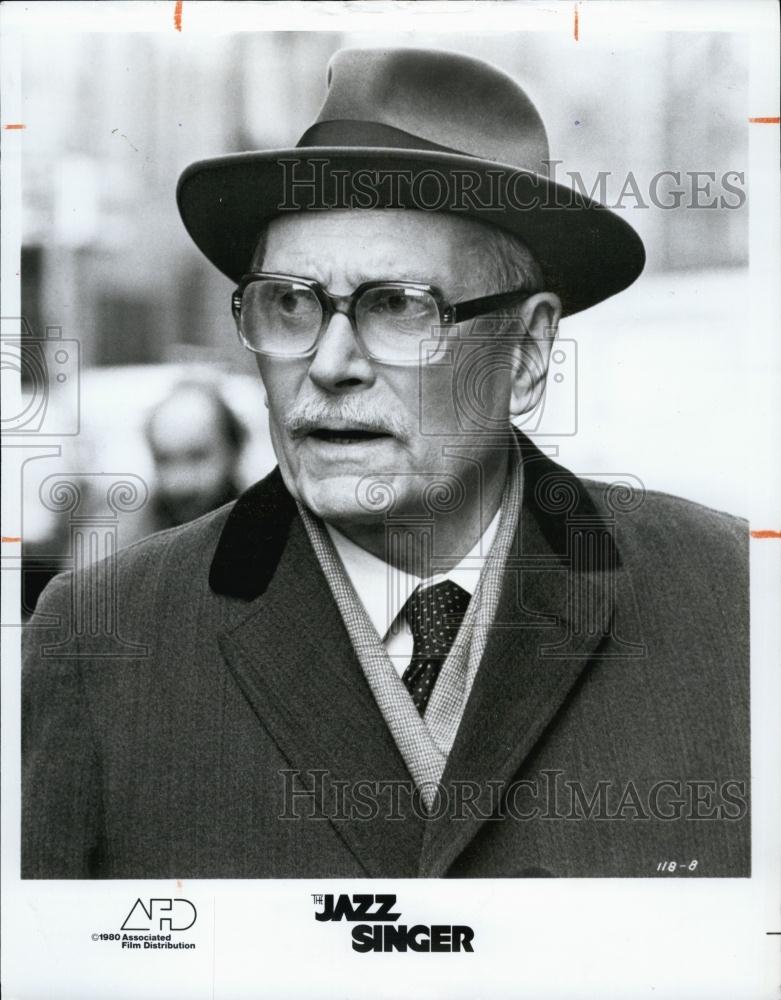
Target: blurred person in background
x,y
196,442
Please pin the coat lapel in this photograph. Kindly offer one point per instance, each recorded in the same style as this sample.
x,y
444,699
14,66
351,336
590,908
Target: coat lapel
x,y
292,659
554,612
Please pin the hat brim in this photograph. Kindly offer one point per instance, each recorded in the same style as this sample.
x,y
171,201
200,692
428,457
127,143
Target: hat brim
x,y
586,252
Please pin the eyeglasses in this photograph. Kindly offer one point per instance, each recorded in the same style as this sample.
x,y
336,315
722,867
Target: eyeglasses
x,y
284,316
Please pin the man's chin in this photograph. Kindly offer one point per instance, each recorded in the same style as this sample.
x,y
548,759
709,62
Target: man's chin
x,y
342,499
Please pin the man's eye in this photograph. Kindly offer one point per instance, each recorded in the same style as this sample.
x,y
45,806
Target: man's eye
x,y
396,304
294,303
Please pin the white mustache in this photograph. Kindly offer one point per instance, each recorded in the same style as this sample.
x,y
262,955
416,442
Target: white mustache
x,y
345,414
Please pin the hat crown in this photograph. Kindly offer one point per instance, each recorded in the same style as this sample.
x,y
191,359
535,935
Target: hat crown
x,y
445,100
423,130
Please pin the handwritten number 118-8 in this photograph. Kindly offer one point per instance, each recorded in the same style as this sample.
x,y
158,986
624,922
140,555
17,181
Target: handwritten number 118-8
x,y
673,866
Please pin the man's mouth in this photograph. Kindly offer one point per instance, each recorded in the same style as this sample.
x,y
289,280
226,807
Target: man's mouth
x,y
348,435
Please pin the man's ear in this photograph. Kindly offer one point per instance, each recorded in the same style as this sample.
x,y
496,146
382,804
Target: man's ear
x,y
539,317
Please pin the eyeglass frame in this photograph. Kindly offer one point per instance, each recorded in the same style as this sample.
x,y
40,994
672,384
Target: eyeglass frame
x,y
450,314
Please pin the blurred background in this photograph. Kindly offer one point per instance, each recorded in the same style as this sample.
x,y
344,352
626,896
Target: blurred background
x,y
650,384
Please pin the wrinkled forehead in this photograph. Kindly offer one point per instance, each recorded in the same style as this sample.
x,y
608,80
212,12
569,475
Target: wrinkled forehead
x,y
349,246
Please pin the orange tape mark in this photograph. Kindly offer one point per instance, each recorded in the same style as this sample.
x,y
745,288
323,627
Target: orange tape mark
x,y
9,538
765,121
766,534
577,22
178,15
16,125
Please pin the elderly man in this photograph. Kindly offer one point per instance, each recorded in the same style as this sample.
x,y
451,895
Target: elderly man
x,y
418,647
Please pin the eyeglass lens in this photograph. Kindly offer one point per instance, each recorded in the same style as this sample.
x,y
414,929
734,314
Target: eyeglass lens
x,y
284,318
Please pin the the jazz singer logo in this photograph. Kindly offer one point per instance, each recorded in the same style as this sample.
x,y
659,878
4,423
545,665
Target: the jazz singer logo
x,y
160,915
386,934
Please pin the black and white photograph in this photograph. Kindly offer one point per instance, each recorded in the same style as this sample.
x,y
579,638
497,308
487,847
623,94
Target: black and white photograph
x,y
391,490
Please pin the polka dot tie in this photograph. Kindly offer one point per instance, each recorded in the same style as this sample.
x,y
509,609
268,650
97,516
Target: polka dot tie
x,y
434,615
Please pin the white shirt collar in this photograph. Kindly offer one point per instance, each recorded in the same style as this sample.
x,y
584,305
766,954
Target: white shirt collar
x,y
384,590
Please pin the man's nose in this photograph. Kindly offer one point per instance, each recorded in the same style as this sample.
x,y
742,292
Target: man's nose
x,y
339,363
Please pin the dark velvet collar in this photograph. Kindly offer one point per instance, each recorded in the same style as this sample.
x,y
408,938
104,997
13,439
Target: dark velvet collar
x,y
256,532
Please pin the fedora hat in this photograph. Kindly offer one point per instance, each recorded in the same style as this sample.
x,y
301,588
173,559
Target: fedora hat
x,y
424,129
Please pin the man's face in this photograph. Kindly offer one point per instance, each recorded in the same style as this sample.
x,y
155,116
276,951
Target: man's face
x,y
411,412
193,461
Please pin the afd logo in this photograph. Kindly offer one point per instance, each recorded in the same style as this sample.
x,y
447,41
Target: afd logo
x,y
160,915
